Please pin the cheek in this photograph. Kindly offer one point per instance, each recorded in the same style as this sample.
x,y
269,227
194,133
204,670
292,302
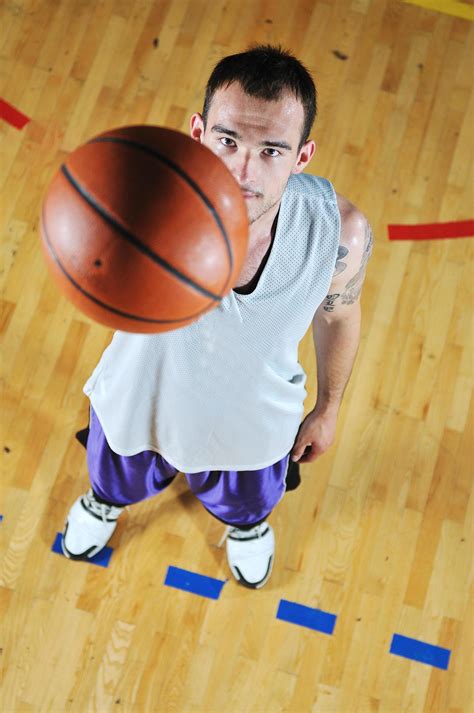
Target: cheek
x,y
215,148
276,180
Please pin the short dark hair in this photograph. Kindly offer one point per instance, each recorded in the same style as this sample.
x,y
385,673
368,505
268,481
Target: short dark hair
x,y
266,72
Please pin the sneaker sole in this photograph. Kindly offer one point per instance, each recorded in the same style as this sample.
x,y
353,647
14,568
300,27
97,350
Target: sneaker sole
x,y
252,585
83,556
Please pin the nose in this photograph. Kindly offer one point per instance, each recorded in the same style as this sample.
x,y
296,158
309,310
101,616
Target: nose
x,y
242,168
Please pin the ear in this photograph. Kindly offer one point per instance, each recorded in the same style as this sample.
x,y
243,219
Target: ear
x,y
197,127
304,157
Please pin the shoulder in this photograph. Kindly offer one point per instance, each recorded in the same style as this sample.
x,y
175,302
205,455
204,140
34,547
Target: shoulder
x,y
312,187
356,240
354,251
354,224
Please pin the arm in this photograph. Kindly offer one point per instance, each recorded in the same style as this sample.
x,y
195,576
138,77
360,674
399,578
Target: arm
x,y
336,342
336,333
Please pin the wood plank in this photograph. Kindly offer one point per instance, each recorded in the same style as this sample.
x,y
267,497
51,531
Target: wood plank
x,y
380,531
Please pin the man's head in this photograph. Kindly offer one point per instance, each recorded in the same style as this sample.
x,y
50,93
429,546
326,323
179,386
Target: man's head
x,y
266,72
258,112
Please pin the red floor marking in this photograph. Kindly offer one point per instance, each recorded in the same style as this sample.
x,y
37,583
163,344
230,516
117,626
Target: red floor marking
x,y
12,115
432,231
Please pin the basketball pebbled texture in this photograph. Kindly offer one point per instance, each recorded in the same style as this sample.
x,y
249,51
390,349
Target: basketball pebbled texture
x,y
144,229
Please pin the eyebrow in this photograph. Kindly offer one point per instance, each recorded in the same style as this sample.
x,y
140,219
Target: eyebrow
x,y
219,129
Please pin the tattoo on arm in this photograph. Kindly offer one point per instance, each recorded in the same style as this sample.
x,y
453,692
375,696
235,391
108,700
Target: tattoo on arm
x,y
340,266
329,303
354,286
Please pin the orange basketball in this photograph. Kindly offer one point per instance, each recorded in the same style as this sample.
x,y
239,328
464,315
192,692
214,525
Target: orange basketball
x,y
144,229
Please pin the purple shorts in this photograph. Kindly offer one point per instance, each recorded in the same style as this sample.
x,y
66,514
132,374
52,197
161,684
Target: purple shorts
x,y
244,497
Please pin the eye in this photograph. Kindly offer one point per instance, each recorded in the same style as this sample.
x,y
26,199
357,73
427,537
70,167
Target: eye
x,y
226,138
274,154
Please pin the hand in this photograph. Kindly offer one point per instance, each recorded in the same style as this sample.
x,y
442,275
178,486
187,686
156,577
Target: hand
x,y
316,432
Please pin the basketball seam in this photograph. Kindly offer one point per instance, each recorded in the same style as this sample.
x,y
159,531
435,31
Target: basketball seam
x,y
175,167
130,237
106,306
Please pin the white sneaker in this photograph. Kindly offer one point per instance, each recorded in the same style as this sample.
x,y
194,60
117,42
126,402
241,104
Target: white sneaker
x,y
250,554
89,526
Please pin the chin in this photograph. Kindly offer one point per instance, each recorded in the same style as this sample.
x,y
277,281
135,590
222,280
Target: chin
x,y
257,214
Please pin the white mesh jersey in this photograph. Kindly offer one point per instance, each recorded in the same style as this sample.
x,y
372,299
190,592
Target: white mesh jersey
x,y
227,392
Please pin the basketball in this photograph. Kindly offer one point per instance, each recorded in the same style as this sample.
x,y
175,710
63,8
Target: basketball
x,y
144,229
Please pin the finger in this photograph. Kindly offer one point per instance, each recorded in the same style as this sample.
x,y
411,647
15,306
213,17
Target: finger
x,y
296,455
301,452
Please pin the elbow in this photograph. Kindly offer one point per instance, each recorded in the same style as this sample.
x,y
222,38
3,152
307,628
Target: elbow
x,y
337,315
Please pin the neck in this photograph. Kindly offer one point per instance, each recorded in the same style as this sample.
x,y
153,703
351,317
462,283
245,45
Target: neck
x,y
264,227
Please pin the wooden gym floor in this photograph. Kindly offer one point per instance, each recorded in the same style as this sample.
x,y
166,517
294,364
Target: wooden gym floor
x,y
380,533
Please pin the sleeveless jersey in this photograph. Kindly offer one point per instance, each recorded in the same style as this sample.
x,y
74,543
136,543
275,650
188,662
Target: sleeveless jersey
x,y
227,392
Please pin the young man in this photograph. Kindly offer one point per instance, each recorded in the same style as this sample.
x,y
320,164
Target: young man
x,y
221,400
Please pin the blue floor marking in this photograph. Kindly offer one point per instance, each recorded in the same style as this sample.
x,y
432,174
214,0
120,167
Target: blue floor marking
x,y
306,616
1,518
419,651
102,558
195,583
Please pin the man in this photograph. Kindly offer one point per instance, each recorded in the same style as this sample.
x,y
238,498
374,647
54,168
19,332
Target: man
x,y
221,400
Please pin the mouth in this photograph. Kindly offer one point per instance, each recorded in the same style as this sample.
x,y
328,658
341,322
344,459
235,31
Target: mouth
x,y
247,195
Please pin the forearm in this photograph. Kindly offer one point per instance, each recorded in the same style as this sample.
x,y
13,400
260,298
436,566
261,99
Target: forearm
x,y
336,343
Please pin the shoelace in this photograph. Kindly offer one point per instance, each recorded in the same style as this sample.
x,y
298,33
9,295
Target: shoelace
x,y
102,509
256,531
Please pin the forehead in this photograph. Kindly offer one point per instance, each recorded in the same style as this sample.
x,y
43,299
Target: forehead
x,y
280,119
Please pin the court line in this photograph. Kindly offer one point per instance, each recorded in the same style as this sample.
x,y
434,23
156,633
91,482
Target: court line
x,y
194,583
420,651
448,7
301,615
432,231
13,116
